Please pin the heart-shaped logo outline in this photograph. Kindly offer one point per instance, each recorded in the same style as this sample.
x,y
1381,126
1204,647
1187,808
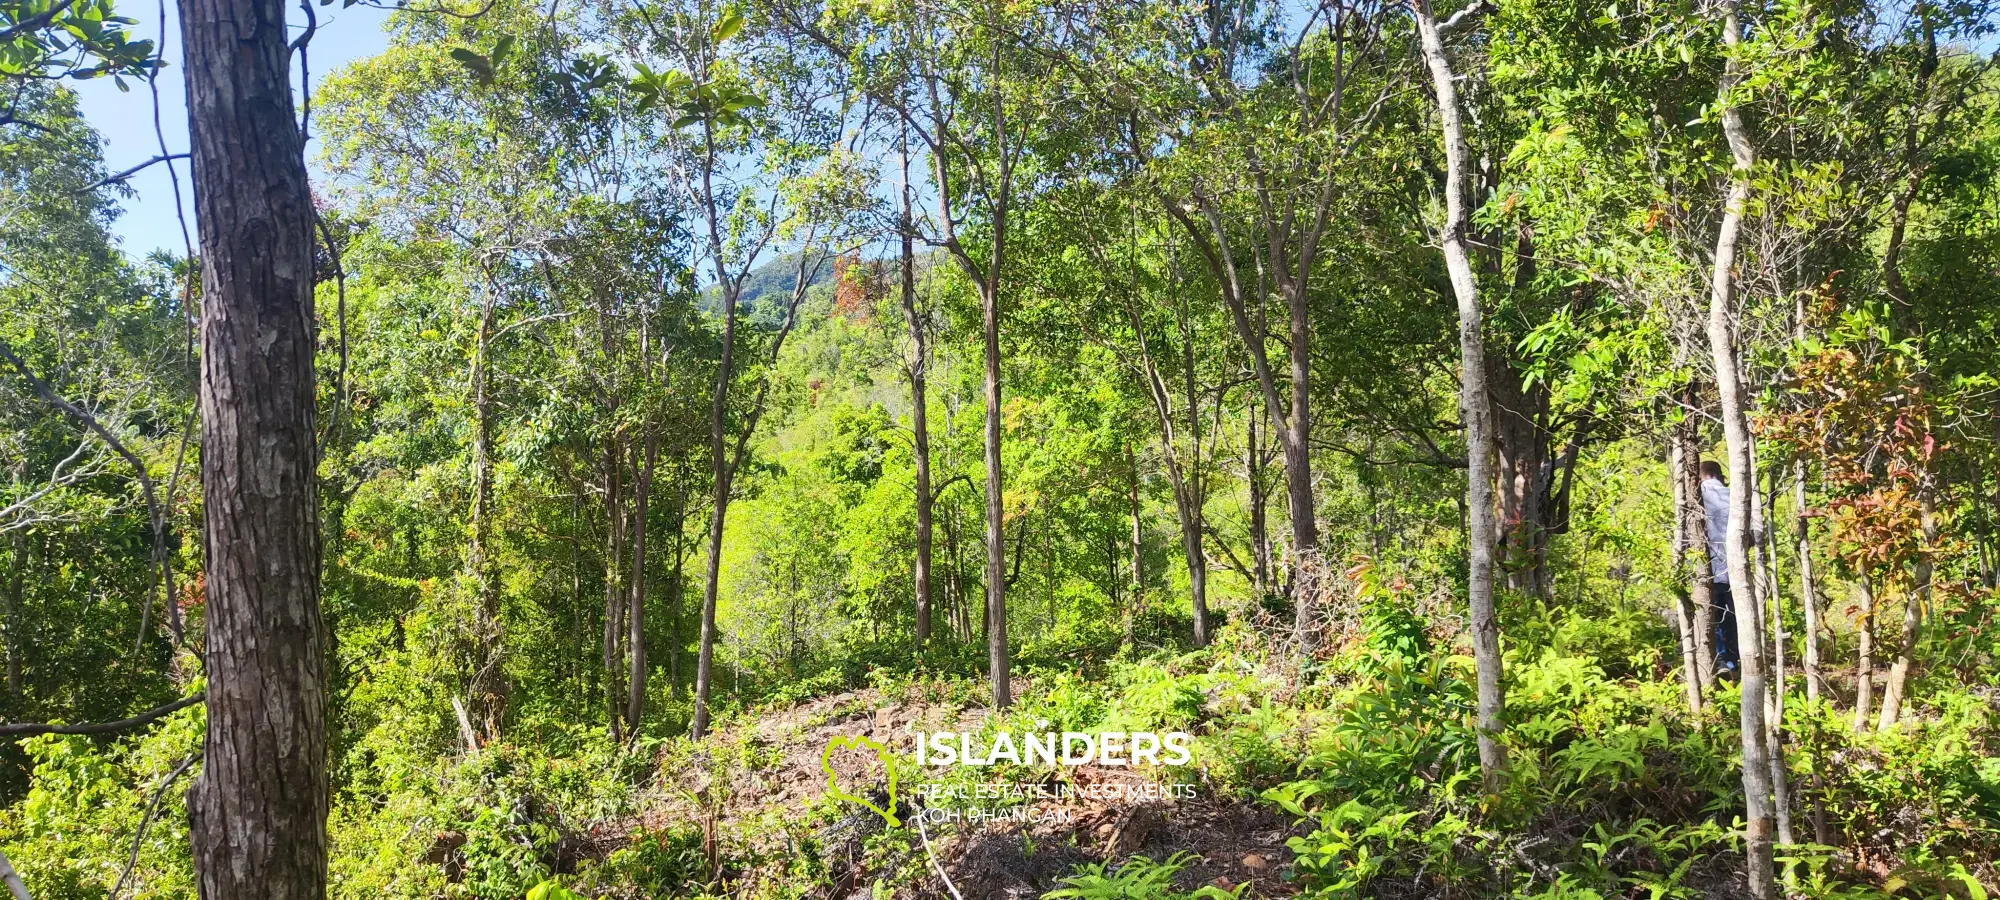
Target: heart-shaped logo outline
x,y
843,742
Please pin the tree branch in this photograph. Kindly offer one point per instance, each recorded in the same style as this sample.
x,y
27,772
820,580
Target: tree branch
x,y
121,176
30,729
158,515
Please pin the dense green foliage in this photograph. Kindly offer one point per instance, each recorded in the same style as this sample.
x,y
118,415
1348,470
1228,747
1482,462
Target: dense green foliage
x,y
532,215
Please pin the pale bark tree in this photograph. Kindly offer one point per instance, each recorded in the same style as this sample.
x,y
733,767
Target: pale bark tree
x,y
1474,410
1734,399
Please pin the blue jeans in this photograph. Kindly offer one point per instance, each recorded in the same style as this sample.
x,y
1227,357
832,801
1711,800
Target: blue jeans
x,y
1723,606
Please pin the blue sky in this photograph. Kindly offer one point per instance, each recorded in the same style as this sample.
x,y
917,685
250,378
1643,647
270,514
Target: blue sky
x,y
125,119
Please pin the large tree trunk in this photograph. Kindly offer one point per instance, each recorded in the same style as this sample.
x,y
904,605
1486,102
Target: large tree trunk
x,y
487,687
919,413
635,635
1914,601
1473,406
1308,568
258,810
1734,399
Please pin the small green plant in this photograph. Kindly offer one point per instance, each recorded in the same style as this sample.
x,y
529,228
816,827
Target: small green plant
x,y
1138,878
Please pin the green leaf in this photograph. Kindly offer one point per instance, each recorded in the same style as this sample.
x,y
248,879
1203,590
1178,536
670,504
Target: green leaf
x,y
727,26
479,66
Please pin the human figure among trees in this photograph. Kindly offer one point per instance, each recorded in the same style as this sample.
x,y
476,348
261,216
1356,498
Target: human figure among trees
x,y
1715,504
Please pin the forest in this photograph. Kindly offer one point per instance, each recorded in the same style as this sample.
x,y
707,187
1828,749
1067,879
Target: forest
x,y
615,449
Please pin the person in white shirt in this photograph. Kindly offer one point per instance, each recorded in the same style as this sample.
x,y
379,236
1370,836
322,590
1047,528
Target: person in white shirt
x,y
1715,503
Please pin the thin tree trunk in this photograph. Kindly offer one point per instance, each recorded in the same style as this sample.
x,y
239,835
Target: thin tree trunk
x,y
721,472
257,812
614,595
1864,665
1767,580
635,637
676,595
1914,601
1474,409
919,412
1308,569
1138,530
1260,532
1293,427
1694,534
997,658
1808,594
1684,613
1815,677
16,596
1734,399
487,687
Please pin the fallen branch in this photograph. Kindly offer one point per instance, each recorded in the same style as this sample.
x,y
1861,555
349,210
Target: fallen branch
x,y
29,729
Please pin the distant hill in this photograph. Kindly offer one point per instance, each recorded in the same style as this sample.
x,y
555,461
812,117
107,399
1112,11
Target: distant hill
x,y
776,277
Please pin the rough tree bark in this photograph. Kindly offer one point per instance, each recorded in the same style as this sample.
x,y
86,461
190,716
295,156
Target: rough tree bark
x,y
1692,665
1474,409
258,810
1694,534
1734,398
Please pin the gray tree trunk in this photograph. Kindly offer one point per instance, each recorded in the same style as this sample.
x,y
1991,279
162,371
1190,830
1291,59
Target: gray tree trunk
x,y
1474,409
919,412
258,810
1734,399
